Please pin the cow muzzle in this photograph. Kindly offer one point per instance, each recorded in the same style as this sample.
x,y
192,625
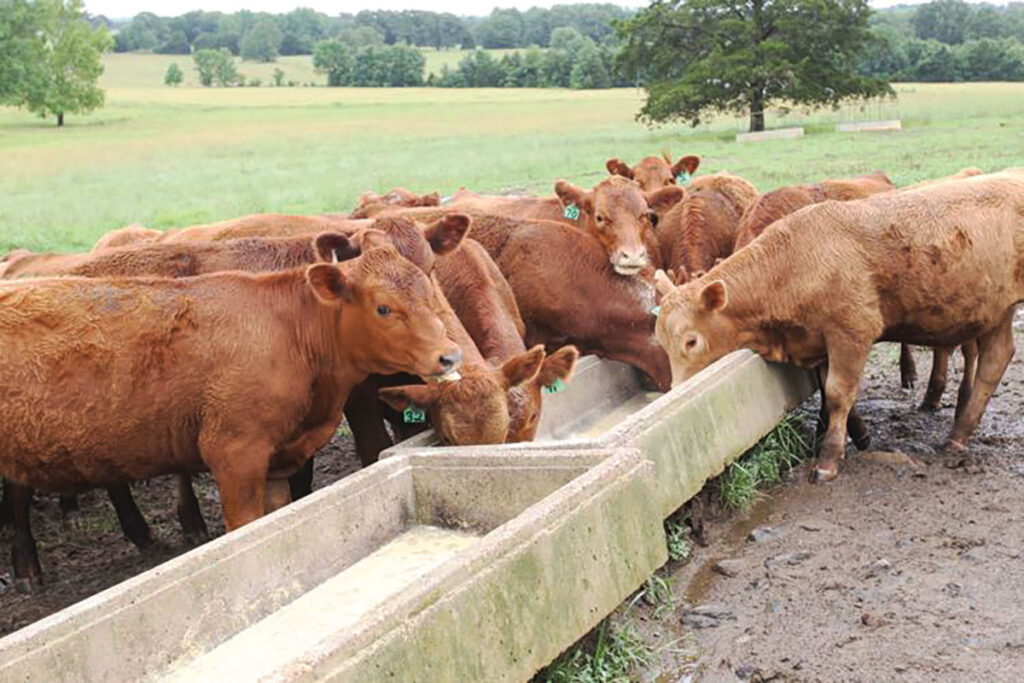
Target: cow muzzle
x,y
448,364
629,262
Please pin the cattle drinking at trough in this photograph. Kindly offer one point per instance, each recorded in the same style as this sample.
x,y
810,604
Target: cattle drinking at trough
x,y
936,266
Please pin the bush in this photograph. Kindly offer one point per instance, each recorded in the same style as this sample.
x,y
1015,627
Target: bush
x,y
174,75
255,82
278,77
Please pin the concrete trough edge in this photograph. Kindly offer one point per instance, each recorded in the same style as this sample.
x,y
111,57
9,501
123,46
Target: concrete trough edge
x,y
869,126
780,134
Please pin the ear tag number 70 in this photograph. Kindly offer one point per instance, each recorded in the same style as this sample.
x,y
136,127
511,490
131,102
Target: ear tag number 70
x,y
572,212
554,387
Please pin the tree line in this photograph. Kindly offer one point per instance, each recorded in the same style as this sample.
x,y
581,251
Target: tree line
x,y
947,40
297,32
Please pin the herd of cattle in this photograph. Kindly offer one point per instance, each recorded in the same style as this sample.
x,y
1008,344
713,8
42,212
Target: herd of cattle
x,y
236,347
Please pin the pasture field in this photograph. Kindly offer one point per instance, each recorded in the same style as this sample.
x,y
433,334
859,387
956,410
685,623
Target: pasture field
x,y
178,156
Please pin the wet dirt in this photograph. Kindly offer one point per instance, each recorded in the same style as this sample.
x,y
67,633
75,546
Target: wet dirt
x,y
901,569
91,555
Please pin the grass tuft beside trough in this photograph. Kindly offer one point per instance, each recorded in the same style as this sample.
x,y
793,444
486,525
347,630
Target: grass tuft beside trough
x,y
764,465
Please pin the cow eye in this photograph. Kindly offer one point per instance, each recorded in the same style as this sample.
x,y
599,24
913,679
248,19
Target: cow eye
x,y
383,310
600,219
691,343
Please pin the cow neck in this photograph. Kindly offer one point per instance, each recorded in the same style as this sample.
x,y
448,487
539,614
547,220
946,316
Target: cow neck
x,y
698,253
759,281
453,327
318,334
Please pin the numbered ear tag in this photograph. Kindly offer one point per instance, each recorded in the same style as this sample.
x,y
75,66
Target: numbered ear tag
x,y
572,212
414,415
683,178
554,387
656,311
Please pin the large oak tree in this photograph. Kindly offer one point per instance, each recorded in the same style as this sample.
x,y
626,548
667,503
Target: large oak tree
x,y
699,57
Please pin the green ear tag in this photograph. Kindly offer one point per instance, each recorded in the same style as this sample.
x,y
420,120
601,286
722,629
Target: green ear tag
x,y
656,311
414,415
683,177
554,387
572,212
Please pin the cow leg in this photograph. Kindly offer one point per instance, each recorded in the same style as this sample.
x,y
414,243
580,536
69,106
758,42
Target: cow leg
x,y
28,575
970,352
6,509
846,362
937,380
186,505
995,350
133,524
908,368
70,513
366,420
300,484
855,426
239,466
276,496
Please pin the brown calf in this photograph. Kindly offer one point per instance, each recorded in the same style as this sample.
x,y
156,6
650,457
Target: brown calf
x,y
936,266
263,225
372,205
131,234
484,303
266,361
652,173
568,293
616,212
701,230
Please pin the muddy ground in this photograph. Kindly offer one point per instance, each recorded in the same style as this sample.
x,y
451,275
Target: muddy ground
x,y
84,558
902,569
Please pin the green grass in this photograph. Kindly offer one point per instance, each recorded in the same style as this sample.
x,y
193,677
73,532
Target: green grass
x,y
762,466
615,653
177,156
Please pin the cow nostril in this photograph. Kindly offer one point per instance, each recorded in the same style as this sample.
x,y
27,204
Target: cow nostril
x,y
450,361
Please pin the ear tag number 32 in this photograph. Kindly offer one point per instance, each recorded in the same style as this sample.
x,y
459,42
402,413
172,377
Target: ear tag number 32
x,y
414,415
554,387
683,178
572,212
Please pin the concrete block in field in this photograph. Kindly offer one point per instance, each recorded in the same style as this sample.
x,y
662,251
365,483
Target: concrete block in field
x,y
780,134
869,126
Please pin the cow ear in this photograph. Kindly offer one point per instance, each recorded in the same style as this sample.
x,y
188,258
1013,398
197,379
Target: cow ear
x,y
713,296
369,238
400,398
333,247
329,284
681,276
446,234
522,368
570,194
432,199
663,199
662,283
687,163
558,366
618,167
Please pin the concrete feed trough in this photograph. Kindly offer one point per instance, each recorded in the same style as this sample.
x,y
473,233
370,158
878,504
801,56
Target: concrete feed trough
x,y
435,564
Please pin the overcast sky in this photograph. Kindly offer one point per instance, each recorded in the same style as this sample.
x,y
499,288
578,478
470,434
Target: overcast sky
x,y
116,9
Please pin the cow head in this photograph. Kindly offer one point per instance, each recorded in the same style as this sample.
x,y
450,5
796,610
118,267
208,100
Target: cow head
x,y
692,327
618,213
653,173
525,400
474,408
386,313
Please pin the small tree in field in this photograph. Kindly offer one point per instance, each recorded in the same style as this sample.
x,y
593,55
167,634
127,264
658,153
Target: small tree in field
x,y
697,57
174,76
278,76
215,66
334,59
64,81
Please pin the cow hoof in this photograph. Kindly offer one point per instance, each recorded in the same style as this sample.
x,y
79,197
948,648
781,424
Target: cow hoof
x,y
72,521
28,585
862,442
824,473
928,407
196,538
